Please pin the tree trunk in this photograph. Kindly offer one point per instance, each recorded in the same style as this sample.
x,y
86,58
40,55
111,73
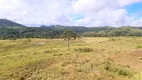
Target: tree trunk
x,y
68,44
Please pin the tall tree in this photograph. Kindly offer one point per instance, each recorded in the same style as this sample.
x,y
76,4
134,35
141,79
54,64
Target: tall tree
x,y
69,35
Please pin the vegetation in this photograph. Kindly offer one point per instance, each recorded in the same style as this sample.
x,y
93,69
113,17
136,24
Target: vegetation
x,y
69,35
52,32
105,53
8,23
13,30
138,76
55,32
139,46
95,59
123,31
30,32
84,50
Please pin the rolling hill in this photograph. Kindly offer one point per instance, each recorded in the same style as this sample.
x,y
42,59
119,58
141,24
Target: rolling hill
x,y
9,23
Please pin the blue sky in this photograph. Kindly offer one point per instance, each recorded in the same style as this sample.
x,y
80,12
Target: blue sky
x,y
89,13
135,9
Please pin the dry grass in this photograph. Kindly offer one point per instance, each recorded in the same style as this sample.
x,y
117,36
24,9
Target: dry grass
x,y
132,59
108,59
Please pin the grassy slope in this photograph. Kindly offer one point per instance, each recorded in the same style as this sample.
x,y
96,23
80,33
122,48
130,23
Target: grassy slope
x,y
21,59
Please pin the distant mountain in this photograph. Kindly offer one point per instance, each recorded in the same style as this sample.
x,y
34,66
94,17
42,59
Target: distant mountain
x,y
43,26
9,23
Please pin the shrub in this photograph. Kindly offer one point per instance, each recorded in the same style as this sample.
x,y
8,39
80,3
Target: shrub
x,y
123,72
112,39
139,46
84,50
109,66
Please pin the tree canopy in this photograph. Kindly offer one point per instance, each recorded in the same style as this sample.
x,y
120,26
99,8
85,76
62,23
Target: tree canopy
x,y
69,35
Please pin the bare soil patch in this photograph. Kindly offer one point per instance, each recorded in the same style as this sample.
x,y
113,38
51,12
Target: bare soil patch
x,y
41,43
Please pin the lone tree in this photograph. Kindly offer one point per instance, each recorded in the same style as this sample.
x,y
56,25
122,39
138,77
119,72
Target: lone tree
x,y
69,35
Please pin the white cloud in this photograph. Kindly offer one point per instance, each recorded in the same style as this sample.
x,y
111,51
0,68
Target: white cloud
x,y
97,5
95,12
94,5
127,2
104,17
35,11
105,12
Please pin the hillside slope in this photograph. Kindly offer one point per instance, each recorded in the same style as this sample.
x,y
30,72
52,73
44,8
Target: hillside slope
x,y
9,23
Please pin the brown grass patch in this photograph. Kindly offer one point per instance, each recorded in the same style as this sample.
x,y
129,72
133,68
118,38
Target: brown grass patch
x,y
131,60
25,72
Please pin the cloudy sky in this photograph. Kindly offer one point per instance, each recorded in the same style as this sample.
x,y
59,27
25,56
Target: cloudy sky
x,y
73,12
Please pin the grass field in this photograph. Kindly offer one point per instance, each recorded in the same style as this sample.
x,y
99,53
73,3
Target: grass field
x,y
105,58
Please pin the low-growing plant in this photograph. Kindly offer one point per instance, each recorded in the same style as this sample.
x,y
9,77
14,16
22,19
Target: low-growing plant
x,y
116,69
112,39
84,50
138,76
122,71
139,46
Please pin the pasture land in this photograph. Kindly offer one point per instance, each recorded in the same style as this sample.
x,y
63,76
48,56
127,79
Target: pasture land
x,y
117,58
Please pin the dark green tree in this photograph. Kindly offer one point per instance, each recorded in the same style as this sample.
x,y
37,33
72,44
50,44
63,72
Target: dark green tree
x,y
69,35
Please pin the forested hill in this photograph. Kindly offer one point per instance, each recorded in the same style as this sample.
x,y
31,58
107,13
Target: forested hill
x,y
28,32
77,29
56,32
9,23
13,30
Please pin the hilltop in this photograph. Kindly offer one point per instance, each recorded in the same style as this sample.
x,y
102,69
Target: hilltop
x,y
9,23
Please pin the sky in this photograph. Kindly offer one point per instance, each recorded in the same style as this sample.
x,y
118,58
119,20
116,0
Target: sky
x,y
90,13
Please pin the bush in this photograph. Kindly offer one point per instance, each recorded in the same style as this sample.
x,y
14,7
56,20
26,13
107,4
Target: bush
x,y
109,66
139,46
84,50
114,38
123,72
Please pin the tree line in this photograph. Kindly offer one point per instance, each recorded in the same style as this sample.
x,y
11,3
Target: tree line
x,y
123,31
56,32
28,32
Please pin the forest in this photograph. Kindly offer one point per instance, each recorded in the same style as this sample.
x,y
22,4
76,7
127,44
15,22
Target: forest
x,y
56,31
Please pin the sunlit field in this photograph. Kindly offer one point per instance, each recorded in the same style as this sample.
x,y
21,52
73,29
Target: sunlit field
x,y
117,58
